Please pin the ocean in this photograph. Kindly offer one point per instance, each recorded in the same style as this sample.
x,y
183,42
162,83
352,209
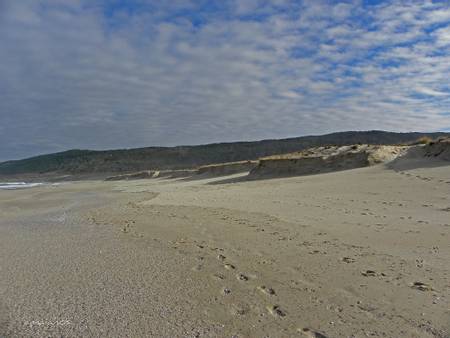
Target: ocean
x,y
18,185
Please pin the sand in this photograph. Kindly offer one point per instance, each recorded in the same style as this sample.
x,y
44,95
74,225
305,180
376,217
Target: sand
x,y
325,159
212,170
355,253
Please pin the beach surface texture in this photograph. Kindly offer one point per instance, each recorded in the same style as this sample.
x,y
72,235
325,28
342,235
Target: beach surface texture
x,y
355,253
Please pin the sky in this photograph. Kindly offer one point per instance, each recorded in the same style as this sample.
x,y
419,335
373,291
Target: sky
x,y
110,74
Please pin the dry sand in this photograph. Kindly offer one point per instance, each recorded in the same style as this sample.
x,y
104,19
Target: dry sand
x,y
357,253
325,159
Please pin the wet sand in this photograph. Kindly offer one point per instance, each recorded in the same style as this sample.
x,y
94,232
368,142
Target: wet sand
x,y
357,253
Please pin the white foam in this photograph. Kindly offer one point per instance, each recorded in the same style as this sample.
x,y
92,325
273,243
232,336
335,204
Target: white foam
x,y
18,185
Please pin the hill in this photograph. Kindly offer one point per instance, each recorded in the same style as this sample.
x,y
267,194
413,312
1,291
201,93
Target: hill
x,y
89,162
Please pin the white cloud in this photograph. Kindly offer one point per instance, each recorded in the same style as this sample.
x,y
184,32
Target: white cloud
x,y
443,36
167,73
431,92
291,95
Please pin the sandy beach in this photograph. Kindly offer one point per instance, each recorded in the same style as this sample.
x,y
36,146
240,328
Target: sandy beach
x,y
356,253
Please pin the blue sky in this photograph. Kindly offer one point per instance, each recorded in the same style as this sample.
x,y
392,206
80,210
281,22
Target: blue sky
x,y
115,74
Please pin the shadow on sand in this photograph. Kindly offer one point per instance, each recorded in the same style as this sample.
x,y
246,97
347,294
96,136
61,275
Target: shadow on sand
x,y
417,158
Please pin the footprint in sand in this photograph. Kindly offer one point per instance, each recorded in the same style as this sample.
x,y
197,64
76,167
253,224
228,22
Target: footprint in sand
x,y
348,259
242,277
229,266
268,291
226,291
218,276
312,333
368,273
239,309
422,286
276,311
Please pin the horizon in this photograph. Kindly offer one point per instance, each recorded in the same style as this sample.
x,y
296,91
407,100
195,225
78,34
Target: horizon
x,y
117,74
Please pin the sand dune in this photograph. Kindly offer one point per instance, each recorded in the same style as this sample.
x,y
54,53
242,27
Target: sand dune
x,y
224,169
146,174
314,161
311,161
213,170
325,159
434,154
174,173
133,176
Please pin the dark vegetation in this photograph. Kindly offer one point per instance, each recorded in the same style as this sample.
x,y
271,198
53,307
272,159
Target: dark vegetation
x,y
82,162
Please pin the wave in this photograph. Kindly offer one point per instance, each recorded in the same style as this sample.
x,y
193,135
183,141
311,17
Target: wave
x,y
18,185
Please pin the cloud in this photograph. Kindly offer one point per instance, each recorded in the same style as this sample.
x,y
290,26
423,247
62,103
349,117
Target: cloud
x,y
442,36
431,92
79,75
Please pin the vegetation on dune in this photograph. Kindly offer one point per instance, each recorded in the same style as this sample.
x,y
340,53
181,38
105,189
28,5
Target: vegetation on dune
x,y
423,140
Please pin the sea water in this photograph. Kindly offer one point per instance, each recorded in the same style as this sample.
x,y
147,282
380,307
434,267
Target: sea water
x,y
18,185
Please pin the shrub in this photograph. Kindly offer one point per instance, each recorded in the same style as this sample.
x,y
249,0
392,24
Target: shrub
x,y
424,140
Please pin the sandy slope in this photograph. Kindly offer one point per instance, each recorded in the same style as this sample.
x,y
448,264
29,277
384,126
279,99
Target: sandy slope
x,y
337,253
325,159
